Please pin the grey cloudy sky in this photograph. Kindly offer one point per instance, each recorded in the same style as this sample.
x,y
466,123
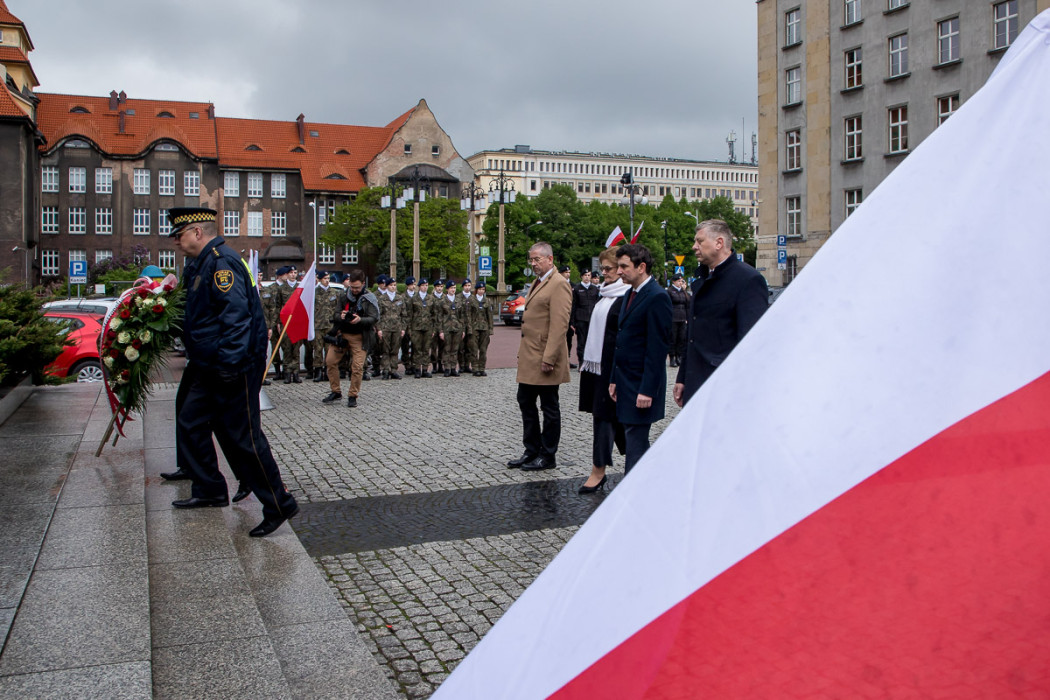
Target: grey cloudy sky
x,y
661,78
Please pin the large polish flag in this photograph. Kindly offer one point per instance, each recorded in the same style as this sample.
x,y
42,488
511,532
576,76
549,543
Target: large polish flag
x,y
300,307
857,503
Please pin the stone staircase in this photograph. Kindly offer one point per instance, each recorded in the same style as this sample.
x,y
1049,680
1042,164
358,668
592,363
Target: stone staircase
x,y
106,591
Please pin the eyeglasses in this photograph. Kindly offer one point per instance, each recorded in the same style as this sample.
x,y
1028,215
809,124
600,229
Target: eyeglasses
x,y
607,268
536,260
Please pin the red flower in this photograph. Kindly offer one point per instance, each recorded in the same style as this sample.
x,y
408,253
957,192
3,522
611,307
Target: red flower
x,y
125,374
114,353
158,309
111,334
143,292
136,343
125,313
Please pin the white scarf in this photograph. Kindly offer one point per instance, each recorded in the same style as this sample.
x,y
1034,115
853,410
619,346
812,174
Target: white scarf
x,y
592,352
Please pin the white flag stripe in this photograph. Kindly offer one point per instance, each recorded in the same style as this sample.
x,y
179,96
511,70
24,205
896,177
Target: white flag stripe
x,y
309,285
924,307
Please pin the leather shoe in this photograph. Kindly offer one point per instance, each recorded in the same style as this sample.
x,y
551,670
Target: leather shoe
x,y
177,475
332,397
268,525
538,464
596,487
524,459
242,493
216,502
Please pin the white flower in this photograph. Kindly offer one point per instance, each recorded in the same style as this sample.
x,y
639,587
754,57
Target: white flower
x,y
123,337
109,362
161,300
115,323
132,354
145,336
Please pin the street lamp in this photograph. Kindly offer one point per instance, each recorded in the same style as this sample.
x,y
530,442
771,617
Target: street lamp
x,y
501,190
25,256
473,199
630,192
663,225
417,193
393,203
313,205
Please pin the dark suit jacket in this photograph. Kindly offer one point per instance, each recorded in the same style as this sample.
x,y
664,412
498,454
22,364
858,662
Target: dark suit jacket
x,y
723,310
640,362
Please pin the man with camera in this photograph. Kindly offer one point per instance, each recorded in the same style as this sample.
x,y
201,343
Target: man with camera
x,y
353,331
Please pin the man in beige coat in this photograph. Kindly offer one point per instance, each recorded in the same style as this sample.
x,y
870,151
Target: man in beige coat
x,y
543,360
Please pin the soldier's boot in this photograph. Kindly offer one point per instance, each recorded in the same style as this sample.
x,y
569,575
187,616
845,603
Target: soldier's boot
x,y
342,374
418,373
426,374
288,378
296,378
446,373
385,375
394,375
454,373
319,376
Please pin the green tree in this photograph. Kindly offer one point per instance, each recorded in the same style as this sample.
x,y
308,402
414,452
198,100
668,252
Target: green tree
x,y
443,237
364,223
739,223
28,340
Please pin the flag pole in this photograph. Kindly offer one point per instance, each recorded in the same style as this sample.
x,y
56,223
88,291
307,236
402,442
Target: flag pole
x,y
277,346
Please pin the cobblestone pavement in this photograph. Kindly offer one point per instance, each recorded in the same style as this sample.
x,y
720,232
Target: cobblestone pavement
x,y
411,513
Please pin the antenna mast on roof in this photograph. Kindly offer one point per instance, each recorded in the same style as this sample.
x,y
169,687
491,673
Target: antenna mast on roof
x,y
732,146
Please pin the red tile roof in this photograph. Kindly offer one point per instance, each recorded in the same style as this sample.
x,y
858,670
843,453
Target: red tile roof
x,y
7,18
13,54
142,129
8,106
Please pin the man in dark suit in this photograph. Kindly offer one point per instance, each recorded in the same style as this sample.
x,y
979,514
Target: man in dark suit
x,y
729,296
639,376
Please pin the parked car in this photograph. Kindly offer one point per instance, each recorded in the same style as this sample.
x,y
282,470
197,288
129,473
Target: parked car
x,y
775,292
100,306
512,308
80,359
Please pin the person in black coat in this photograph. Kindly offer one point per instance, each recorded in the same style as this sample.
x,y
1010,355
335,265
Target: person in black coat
x,y
596,366
639,378
679,318
729,296
584,297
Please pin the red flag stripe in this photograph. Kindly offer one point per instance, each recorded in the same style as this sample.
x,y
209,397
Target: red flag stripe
x,y
929,579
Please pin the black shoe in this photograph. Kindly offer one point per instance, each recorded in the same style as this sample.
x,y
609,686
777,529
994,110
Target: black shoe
x,y
446,373
394,375
278,374
268,525
538,464
455,373
216,502
296,378
242,493
366,377
483,373
596,487
477,373
418,374
351,401
524,459
288,378
332,397
177,475
385,375
319,377
427,375
573,365
266,382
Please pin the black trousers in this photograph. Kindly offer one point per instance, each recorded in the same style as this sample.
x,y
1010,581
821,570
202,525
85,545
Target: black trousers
x,y
230,409
540,442
637,443
679,334
581,340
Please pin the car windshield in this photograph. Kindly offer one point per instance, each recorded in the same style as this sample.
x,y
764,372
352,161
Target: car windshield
x,y
513,297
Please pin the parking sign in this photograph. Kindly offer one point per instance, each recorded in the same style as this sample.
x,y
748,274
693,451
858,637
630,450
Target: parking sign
x,y
78,271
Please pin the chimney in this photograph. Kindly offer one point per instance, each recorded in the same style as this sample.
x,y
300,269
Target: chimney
x,y
121,117
113,100
122,97
211,111
301,123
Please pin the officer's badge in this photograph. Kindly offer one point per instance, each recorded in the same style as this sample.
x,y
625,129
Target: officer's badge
x,y
224,280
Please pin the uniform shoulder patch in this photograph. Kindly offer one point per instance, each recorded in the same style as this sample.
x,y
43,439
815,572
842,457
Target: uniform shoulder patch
x,y
224,280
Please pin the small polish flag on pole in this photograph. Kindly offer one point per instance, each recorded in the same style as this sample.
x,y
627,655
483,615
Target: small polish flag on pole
x,y
297,314
615,238
634,238
872,521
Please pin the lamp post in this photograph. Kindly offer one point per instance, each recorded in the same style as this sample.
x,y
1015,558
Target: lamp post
x,y
630,192
501,190
313,205
472,200
663,225
393,203
25,256
417,194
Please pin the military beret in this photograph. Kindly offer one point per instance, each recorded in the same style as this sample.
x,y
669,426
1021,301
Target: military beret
x,y
466,281
675,277
423,280
181,217
450,283
321,274
381,279
563,268
283,270
480,284
595,274
410,280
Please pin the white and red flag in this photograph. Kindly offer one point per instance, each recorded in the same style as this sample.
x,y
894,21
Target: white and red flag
x,y
300,307
634,238
615,238
857,503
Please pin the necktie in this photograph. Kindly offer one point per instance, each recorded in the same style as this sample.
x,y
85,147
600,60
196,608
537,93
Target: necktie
x,y
630,298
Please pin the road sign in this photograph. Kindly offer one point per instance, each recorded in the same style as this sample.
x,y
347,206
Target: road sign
x,y
484,273
679,258
679,269
485,263
782,257
528,272
782,266
485,250
782,240
78,271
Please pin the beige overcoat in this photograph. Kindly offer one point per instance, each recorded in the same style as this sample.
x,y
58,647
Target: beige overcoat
x,y
544,323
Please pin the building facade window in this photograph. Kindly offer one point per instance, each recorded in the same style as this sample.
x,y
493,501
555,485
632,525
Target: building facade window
x,y
1004,23
255,184
278,223
231,184
851,12
103,180
49,179
77,220
140,181
278,185
78,255
191,183
78,179
166,183
166,259
49,263
103,255
898,55
163,223
408,149
853,200
793,85
793,149
255,223
898,121
49,220
140,222
946,106
231,223
793,27
794,216
103,221
350,254
854,146
325,254
948,40
854,74
894,4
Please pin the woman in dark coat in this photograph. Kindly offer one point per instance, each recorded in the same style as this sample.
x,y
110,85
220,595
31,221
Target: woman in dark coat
x,y
596,371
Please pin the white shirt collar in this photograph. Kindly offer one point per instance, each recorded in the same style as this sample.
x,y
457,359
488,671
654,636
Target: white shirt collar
x,y
639,287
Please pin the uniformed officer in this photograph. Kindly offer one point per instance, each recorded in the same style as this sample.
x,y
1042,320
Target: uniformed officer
x,y
680,300
290,350
464,355
224,331
451,317
481,313
272,304
437,341
326,298
391,328
584,297
421,319
406,340
270,314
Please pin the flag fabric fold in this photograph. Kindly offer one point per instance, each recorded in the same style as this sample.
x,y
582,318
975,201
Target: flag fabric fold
x,y
854,503
300,308
615,238
634,238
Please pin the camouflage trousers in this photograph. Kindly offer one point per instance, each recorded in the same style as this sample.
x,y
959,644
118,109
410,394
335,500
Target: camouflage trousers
x,y
421,349
389,345
450,352
479,342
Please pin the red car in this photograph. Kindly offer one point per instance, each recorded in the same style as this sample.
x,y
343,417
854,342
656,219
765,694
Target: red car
x,y
512,308
80,359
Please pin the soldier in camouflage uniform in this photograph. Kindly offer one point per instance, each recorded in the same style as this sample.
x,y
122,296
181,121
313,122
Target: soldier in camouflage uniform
x,y
479,328
266,295
326,301
406,340
451,317
437,342
463,357
391,327
280,292
289,350
421,318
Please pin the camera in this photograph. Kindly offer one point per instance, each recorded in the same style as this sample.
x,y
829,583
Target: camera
x,y
336,339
